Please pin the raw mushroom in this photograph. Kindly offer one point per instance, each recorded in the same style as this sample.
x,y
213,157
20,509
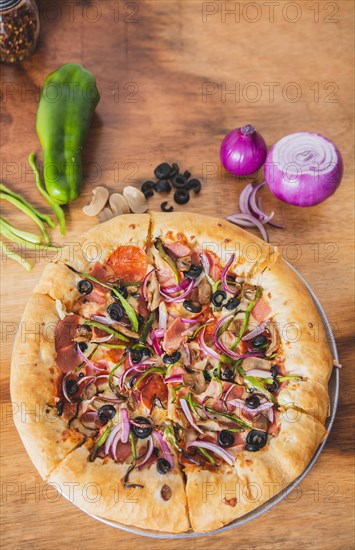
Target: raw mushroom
x,y
118,204
99,199
106,214
136,199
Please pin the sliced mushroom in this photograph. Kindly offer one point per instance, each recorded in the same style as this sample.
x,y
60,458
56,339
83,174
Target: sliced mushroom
x,y
210,425
153,293
184,263
106,214
275,339
136,199
118,204
126,331
196,382
204,292
256,363
83,333
260,422
99,199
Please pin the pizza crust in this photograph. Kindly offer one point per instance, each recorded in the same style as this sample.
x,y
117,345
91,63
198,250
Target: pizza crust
x,y
96,488
59,453
34,381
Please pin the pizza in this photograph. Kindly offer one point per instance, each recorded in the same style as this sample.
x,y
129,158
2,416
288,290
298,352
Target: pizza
x,y
177,369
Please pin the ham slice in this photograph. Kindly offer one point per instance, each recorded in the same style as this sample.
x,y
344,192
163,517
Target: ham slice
x,y
67,358
173,337
261,310
179,250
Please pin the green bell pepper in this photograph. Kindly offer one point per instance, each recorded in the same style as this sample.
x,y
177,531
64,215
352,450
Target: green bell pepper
x,y
68,100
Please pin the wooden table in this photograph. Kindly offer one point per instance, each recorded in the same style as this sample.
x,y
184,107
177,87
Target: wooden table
x,y
174,78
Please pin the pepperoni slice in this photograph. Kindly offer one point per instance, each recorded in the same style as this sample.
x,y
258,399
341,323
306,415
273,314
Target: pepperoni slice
x,y
129,263
155,387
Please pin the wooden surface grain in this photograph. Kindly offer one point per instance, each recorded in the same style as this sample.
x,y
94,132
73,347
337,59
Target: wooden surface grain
x,y
174,78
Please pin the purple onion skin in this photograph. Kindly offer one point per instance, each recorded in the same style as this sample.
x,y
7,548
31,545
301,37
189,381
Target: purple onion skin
x,y
303,189
243,154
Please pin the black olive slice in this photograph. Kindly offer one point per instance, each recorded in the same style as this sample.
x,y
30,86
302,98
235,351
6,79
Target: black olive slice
x,y
60,407
256,440
252,402
274,371
181,196
84,287
144,429
165,208
193,307
163,171
148,193
171,359
194,185
232,304
194,271
259,342
179,182
162,186
228,374
115,311
218,298
106,413
163,466
273,387
225,438
71,386
122,290
83,346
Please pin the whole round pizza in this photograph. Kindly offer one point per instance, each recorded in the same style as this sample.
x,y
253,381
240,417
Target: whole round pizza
x,y
177,369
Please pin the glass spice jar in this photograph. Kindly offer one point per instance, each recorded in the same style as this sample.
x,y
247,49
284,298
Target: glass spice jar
x,y
19,29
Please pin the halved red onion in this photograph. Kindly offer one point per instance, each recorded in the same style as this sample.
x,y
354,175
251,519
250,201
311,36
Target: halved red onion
x,y
88,419
189,416
255,332
208,351
165,448
228,457
155,343
225,286
163,316
115,430
240,219
173,379
144,284
180,297
86,360
148,454
103,320
259,373
125,425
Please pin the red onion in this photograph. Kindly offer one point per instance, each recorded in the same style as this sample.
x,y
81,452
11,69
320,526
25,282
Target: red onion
x,y
191,321
159,333
138,368
165,448
114,445
86,360
259,373
228,457
181,297
243,151
86,379
188,353
144,284
155,343
303,169
258,330
148,454
226,350
208,351
225,286
246,219
115,430
189,416
125,425
173,379
102,340
177,288
103,320
163,316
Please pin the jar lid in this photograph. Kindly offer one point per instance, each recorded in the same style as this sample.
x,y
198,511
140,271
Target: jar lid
x,y
8,4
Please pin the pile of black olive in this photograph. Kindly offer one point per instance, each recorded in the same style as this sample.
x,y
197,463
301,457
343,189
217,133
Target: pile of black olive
x,y
169,176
